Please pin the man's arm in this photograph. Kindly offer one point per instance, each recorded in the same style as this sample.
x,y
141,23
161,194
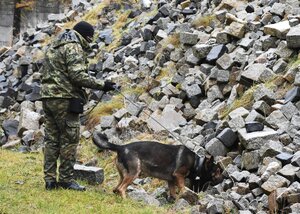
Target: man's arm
x,y
77,68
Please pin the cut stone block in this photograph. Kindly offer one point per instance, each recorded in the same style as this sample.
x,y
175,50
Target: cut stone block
x,y
250,160
278,9
236,29
262,107
292,95
216,52
93,175
278,30
188,38
201,50
274,182
216,148
227,137
293,198
289,171
255,140
296,159
284,157
279,66
256,73
293,37
108,121
236,123
10,127
169,118
241,111
29,120
254,127
277,120
225,61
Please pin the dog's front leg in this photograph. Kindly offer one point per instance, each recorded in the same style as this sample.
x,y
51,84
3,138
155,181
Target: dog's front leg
x,y
180,181
172,191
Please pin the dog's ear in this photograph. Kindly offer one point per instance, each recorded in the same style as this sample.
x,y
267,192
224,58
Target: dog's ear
x,y
209,162
208,157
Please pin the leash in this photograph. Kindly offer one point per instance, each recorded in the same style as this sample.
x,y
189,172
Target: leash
x,y
170,132
175,137
116,88
165,128
87,112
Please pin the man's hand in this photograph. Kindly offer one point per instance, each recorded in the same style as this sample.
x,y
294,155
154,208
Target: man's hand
x,y
109,86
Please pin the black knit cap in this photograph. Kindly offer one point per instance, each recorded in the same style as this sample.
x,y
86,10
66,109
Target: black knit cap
x,y
85,29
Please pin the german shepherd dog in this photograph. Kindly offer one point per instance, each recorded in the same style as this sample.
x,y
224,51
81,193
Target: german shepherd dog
x,y
172,163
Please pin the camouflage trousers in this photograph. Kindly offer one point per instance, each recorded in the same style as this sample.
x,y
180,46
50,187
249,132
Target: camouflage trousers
x,y
61,139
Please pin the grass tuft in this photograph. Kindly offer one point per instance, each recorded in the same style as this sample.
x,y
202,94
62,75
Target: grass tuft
x,y
92,15
103,109
172,39
203,20
107,108
245,100
294,62
118,30
166,72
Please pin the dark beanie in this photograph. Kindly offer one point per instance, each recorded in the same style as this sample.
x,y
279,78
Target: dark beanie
x,y
85,29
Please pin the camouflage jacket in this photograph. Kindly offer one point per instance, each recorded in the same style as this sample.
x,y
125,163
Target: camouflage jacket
x,y
65,69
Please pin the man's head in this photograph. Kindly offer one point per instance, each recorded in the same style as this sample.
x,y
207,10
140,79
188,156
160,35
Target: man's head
x,y
85,29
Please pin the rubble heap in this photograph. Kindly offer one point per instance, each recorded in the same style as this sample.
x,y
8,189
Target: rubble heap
x,y
221,76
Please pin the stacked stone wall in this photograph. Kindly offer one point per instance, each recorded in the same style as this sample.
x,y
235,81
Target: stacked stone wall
x,y
14,21
7,8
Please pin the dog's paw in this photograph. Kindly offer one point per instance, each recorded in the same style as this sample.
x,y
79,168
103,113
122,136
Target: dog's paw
x,y
171,199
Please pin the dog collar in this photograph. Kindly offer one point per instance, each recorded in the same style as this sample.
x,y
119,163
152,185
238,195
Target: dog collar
x,y
199,164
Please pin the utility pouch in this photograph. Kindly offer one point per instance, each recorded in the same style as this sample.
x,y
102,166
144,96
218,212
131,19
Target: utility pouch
x,y
76,105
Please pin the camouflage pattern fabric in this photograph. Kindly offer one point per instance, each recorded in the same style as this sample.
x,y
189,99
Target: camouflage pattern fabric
x,y
61,140
63,76
65,69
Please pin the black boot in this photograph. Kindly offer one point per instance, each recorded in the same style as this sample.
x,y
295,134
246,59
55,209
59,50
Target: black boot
x,y
71,185
50,185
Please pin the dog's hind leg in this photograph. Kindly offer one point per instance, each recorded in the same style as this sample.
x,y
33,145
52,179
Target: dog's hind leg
x,y
127,175
121,173
128,179
117,187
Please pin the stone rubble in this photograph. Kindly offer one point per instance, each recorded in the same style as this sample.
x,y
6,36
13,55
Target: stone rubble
x,y
209,70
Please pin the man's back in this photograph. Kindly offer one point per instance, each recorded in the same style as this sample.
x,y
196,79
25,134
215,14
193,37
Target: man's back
x,y
64,59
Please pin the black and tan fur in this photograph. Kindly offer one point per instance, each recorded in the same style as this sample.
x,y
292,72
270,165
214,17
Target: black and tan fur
x,y
172,163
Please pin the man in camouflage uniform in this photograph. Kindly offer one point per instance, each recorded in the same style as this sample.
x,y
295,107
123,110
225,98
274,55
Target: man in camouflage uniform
x,y
64,75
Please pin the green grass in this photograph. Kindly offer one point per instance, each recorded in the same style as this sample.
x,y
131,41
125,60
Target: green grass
x,y
22,191
245,100
109,107
293,62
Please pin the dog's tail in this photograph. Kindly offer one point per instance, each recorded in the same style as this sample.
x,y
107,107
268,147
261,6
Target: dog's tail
x,y
101,141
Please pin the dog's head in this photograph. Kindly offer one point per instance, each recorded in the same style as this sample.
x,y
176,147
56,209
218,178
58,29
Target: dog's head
x,y
214,170
207,172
